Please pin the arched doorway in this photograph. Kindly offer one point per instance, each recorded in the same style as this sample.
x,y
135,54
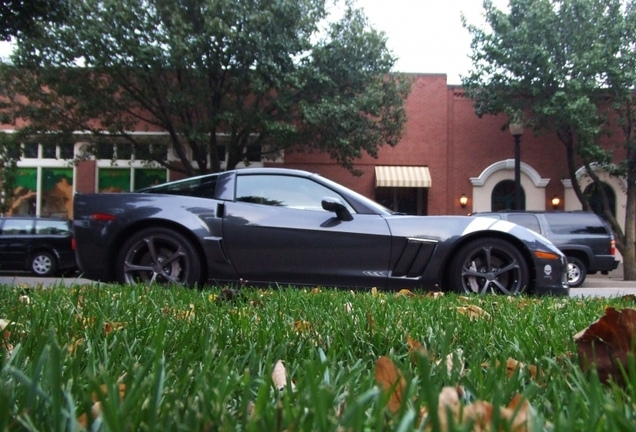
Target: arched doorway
x,y
593,194
503,196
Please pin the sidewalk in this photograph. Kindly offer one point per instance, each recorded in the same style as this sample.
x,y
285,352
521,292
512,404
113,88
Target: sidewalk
x,y
613,279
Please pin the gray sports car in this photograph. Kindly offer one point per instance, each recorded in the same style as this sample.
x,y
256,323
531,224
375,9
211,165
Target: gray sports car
x,y
271,226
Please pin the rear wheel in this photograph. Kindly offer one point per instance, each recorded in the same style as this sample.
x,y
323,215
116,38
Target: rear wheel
x,y
158,256
43,264
489,265
576,272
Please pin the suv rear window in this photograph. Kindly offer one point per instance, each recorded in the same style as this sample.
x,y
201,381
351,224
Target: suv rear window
x,y
526,220
17,226
584,223
51,227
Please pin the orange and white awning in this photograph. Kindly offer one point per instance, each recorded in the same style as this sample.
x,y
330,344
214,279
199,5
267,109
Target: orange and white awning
x,y
402,176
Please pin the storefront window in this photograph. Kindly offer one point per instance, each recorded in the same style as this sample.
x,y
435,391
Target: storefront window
x,y
57,192
149,177
113,180
25,192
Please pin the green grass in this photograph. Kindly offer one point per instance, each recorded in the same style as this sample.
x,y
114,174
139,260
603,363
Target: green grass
x,y
191,362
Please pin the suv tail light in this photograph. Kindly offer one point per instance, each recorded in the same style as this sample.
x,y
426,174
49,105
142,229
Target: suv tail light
x,y
73,243
613,247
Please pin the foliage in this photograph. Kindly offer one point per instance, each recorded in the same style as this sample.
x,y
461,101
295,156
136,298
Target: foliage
x,y
274,75
568,66
20,16
141,358
9,155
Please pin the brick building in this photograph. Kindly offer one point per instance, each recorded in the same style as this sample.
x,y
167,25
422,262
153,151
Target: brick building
x,y
446,152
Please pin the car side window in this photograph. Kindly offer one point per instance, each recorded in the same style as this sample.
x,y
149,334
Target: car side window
x,y
17,227
51,227
529,221
284,191
583,223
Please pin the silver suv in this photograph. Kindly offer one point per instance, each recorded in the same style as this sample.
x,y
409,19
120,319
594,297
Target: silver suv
x,y
585,238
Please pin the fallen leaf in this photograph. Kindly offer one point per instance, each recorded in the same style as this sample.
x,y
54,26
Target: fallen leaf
x,y
405,293
415,347
473,312
302,326
279,376
390,378
435,294
453,357
374,291
606,344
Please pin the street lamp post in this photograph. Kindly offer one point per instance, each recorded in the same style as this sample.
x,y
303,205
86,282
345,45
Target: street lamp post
x,y
516,129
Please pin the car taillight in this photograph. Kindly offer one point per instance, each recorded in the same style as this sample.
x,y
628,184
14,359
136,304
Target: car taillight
x,y
73,243
613,247
103,217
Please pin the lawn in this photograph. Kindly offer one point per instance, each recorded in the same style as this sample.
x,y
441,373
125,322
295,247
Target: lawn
x,y
146,358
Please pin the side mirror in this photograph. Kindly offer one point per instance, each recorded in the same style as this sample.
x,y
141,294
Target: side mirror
x,y
336,206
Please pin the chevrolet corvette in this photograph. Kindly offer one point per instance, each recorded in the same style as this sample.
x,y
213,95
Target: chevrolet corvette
x,y
279,227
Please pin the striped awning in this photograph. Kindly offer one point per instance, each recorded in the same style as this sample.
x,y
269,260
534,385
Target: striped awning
x,y
402,176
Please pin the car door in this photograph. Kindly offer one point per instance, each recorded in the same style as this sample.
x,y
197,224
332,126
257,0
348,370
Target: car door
x,y
277,231
15,241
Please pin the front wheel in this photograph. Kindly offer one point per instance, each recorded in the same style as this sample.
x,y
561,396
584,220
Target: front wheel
x,y
489,265
43,264
576,272
158,256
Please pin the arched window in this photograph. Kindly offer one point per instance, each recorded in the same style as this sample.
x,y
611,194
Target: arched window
x,y
594,196
503,196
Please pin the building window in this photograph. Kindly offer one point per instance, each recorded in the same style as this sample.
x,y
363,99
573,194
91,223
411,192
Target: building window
x,y
412,201
129,179
53,187
596,202
503,196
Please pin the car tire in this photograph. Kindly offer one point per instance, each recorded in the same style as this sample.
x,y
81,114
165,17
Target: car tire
x,y
489,265
43,264
137,257
576,272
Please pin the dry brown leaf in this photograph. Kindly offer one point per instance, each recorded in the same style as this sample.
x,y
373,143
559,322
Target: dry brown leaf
x,y
416,348
4,323
316,290
405,293
629,298
279,376
24,299
606,344
180,314
480,413
74,345
96,408
110,327
390,378
302,326
473,312
374,291
451,358
348,307
435,294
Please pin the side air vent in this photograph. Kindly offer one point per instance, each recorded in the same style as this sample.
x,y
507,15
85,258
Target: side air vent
x,y
414,257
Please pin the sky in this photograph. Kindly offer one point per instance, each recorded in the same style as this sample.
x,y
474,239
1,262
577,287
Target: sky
x,y
427,36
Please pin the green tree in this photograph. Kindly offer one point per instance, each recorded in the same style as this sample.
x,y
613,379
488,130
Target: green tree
x,y
9,155
275,74
20,16
568,66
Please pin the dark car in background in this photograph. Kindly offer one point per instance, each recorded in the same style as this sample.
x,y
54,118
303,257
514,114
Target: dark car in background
x,y
43,246
584,237
275,226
